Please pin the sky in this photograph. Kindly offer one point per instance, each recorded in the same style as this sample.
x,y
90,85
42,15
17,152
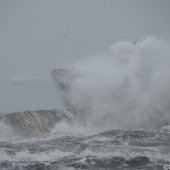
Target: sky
x,y
37,36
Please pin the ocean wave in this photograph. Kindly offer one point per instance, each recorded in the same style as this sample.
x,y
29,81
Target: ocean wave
x,y
30,123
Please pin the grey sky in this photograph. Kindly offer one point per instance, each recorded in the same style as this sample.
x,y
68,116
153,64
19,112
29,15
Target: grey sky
x,y
37,36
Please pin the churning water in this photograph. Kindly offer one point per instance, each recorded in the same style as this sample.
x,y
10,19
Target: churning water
x,y
115,112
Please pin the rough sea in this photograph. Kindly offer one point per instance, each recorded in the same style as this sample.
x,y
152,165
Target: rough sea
x,y
33,147
113,114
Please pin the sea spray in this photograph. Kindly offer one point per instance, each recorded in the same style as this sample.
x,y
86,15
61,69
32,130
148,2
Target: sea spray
x,y
128,88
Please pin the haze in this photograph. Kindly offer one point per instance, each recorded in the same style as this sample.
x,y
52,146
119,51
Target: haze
x,y
38,36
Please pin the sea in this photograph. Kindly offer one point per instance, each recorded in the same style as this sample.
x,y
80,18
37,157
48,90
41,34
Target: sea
x,y
29,141
113,114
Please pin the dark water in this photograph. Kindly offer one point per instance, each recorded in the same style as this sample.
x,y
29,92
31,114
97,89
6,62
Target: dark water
x,y
110,150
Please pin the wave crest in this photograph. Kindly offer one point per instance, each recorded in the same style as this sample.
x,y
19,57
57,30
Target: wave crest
x,y
30,123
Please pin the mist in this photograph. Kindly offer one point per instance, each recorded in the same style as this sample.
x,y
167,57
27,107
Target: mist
x,y
127,88
39,36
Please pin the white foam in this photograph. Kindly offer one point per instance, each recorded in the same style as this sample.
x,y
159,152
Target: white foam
x,y
116,151
31,157
166,128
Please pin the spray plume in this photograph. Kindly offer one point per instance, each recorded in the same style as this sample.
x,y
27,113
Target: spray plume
x,y
129,88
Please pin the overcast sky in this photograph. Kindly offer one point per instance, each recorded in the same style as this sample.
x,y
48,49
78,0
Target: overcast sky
x,y
37,36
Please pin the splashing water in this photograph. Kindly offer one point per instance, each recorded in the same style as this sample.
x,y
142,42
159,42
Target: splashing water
x,y
128,88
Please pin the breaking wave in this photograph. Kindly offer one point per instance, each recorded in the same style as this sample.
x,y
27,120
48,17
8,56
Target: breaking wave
x,y
128,88
125,95
29,123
